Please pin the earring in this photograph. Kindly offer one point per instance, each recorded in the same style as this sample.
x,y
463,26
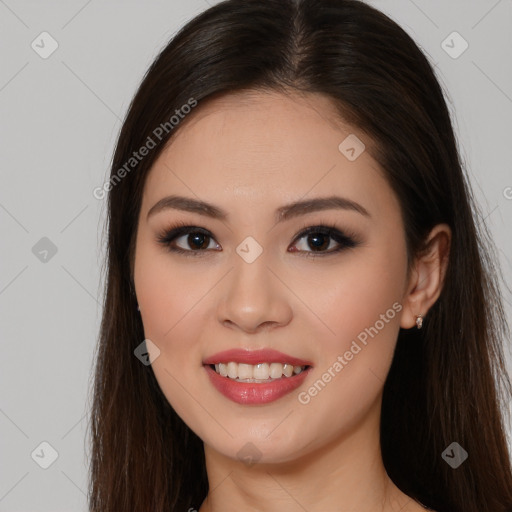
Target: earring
x,y
138,309
419,321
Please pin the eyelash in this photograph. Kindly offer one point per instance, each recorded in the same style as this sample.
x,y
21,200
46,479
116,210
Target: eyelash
x,y
347,240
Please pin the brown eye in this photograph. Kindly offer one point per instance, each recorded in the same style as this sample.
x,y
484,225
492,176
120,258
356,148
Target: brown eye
x,y
195,240
321,238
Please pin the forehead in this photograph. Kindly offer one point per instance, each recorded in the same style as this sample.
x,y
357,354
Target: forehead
x,y
265,146
277,121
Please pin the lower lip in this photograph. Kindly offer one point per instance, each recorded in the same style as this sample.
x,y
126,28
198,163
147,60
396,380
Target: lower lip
x,y
248,393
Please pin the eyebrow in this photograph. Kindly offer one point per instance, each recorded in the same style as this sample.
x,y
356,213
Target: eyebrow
x,y
283,213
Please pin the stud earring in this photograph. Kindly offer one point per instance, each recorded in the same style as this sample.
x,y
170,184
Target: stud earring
x,y
419,321
138,309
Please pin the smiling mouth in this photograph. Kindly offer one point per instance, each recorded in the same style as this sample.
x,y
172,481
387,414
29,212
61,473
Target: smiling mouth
x,y
258,373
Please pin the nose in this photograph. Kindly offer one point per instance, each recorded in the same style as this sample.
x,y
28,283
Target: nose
x,y
254,298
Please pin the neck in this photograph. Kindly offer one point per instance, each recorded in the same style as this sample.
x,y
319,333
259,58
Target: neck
x,y
345,473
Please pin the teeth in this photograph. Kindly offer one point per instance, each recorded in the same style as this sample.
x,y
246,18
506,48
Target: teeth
x,y
257,372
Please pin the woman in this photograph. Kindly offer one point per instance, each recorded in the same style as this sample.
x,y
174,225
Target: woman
x,y
301,309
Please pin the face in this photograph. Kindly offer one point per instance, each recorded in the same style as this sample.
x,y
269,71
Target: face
x,y
253,280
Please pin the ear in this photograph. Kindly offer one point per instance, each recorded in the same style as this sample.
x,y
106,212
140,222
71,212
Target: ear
x,y
427,276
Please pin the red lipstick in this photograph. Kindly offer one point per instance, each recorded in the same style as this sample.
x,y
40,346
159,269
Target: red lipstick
x,y
266,355
253,393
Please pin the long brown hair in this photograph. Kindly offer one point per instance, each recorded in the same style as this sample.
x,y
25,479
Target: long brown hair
x,y
448,381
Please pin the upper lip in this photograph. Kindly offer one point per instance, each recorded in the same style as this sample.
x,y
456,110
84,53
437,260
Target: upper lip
x,y
267,355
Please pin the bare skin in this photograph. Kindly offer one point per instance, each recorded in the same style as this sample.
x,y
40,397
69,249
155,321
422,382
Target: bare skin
x,y
250,154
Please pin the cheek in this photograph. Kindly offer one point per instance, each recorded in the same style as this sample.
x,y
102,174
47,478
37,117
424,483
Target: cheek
x,y
355,294
170,304
362,309
166,293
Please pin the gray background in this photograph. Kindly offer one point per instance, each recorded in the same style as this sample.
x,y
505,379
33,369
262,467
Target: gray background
x,y
59,118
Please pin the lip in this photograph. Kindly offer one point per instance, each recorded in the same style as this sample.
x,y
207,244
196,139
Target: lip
x,y
267,355
253,393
